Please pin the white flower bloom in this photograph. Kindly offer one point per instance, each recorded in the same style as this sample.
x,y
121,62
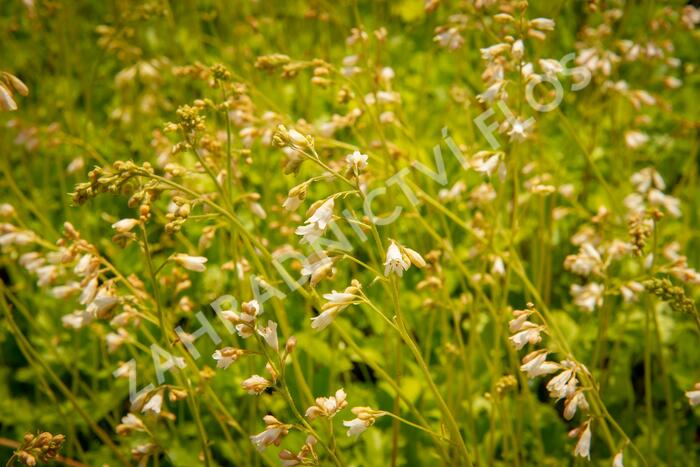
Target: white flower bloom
x,y
498,268
66,290
115,340
543,24
356,161
226,356
562,385
396,262
77,319
274,431
588,297
583,446
635,139
669,203
617,460
529,335
125,225
355,427
292,203
130,423
85,266
578,399
485,162
694,395
316,225
327,406
256,384
193,263
584,263
550,66
492,93
517,49
489,53
324,320
154,404
535,364
269,333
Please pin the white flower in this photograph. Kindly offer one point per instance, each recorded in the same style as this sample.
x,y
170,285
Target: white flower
x,y
115,340
226,356
356,161
530,334
617,460
256,384
492,93
486,162
324,320
489,53
292,203
274,431
694,395
125,225
77,319
356,427
327,406
543,24
65,291
154,404
518,130
130,422
85,266
550,66
630,290
588,297
562,385
193,263
635,139
671,204
365,417
574,402
269,333
584,263
535,364
316,225
517,49
396,262
583,447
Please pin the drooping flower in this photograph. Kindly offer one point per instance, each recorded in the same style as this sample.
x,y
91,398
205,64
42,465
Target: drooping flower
x,y
396,262
583,446
564,384
125,225
573,402
316,225
535,364
130,422
226,356
337,301
269,334
529,334
154,404
364,418
273,433
193,263
694,395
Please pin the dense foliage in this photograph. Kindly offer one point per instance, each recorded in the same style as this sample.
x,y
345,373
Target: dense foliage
x,y
349,232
